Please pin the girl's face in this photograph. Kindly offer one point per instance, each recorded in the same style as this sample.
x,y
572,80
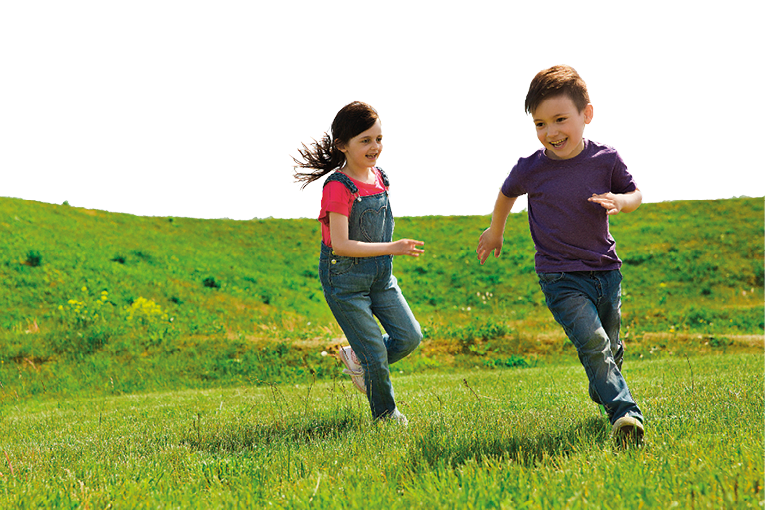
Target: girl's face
x,y
560,126
361,151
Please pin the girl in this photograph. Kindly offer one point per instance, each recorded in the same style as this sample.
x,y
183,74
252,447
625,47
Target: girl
x,y
355,265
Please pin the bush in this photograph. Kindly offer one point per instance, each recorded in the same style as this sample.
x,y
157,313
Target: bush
x,y
211,283
34,259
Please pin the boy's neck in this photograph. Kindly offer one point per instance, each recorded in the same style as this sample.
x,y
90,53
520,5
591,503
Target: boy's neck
x,y
580,148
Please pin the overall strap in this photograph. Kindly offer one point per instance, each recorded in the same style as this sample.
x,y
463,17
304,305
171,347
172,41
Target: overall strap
x,y
384,177
341,177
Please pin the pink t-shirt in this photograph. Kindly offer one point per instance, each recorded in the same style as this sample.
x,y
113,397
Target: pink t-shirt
x,y
337,198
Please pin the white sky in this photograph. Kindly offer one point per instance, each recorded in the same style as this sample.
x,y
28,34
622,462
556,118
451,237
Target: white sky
x,y
193,108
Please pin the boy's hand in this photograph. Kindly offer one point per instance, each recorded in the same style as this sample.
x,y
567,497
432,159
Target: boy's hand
x,y
609,201
488,242
616,203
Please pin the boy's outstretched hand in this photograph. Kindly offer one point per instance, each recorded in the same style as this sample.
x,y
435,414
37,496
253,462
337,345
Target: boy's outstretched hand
x,y
616,203
487,243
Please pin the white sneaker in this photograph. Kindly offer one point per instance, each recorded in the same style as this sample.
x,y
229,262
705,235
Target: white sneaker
x,y
353,368
358,382
352,363
399,418
628,430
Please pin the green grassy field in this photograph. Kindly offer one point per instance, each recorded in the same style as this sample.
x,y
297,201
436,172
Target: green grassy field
x,y
102,303
179,363
505,438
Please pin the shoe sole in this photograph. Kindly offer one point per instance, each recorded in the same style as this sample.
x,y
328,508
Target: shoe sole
x,y
352,367
628,430
358,383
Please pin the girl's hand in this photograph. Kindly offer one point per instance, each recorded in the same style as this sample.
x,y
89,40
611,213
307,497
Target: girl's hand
x,y
407,247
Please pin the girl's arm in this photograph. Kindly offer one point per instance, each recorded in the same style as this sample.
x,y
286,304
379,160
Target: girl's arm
x,y
493,237
616,203
341,245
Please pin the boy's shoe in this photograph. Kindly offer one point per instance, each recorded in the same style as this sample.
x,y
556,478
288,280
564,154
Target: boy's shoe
x,y
628,430
353,368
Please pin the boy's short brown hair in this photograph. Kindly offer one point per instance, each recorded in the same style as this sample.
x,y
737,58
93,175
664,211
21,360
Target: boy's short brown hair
x,y
557,81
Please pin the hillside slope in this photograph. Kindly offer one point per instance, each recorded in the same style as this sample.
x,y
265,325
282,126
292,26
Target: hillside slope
x,y
82,283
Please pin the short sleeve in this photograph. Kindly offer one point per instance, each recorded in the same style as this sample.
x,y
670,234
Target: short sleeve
x,y
513,185
621,180
336,197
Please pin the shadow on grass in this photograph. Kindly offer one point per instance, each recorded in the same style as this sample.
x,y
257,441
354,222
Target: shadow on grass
x,y
436,446
234,437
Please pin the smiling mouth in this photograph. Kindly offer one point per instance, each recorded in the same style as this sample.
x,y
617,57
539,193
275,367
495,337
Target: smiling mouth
x,y
559,143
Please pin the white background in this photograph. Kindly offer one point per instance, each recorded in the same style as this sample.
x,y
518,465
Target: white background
x,y
191,108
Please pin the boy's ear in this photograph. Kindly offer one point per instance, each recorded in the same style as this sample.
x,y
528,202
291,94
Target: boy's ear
x,y
588,113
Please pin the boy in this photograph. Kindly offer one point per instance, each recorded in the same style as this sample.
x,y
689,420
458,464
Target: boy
x,y
573,185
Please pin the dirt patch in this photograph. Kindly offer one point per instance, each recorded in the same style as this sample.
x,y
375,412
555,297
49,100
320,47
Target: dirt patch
x,y
734,340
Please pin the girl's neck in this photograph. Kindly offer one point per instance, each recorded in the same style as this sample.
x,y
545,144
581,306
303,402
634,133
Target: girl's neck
x,y
364,174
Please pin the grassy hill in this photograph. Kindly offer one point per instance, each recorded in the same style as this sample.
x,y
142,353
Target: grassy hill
x,y
98,301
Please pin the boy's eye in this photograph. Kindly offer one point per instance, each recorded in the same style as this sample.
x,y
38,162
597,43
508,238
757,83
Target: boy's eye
x,y
539,124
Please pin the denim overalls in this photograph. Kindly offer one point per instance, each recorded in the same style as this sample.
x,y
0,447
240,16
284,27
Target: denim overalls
x,y
358,289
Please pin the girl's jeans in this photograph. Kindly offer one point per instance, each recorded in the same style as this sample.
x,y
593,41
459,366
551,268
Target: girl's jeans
x,y
358,290
588,306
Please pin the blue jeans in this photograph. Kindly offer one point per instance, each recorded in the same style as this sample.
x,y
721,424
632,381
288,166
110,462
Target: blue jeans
x,y
588,306
357,290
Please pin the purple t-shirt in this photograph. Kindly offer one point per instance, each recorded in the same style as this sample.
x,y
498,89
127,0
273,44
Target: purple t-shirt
x,y
570,233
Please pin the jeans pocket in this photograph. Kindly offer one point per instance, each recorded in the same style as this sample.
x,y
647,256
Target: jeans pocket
x,y
339,265
550,277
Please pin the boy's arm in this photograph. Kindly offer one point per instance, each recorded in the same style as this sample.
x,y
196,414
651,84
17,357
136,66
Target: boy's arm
x,y
615,203
493,237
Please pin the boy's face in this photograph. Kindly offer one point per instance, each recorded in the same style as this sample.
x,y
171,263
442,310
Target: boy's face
x,y
560,126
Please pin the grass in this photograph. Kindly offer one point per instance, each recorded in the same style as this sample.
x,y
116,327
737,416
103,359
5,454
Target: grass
x,y
503,438
111,304
175,363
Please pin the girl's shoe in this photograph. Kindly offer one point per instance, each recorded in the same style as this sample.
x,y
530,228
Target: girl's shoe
x,y
352,363
353,368
358,382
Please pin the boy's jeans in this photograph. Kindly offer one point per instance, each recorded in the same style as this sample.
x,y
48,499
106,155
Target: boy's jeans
x,y
588,306
358,290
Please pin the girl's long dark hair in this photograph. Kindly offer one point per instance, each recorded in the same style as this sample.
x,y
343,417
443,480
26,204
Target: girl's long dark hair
x,y
324,156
